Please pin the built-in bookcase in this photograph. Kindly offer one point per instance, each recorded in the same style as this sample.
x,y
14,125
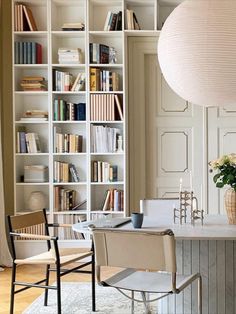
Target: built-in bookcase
x,y
50,16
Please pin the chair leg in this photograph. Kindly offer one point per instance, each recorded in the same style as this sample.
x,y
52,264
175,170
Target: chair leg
x,y
58,289
13,279
132,302
47,282
147,307
93,285
200,295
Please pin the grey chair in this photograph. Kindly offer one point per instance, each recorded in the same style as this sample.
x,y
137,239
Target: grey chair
x,y
136,252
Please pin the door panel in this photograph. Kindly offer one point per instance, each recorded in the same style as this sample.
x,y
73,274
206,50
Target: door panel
x,y
166,137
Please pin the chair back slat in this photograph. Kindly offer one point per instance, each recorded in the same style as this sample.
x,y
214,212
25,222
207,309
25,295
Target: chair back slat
x,y
27,220
135,249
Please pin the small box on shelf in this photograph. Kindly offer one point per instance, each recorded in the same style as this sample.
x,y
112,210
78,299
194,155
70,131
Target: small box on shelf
x,y
35,173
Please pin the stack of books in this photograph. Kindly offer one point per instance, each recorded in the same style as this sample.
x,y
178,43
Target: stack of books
x,y
103,80
113,200
67,111
23,18
113,21
28,53
98,53
65,172
68,233
62,81
102,171
27,143
131,20
69,56
104,139
64,199
33,83
67,143
105,107
35,115
73,26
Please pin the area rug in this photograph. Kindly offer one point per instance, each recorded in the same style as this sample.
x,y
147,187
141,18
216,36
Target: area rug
x,y
76,298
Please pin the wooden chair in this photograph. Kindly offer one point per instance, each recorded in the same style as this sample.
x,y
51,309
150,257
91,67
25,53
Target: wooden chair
x,y
138,251
54,258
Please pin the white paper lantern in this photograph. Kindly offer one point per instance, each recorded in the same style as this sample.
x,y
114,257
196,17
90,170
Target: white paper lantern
x,y
197,51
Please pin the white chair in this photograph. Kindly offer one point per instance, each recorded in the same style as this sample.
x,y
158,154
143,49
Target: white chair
x,y
159,207
137,251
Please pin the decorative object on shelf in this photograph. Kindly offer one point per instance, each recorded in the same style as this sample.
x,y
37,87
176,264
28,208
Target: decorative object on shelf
x,y
73,27
226,166
194,66
119,144
112,55
37,200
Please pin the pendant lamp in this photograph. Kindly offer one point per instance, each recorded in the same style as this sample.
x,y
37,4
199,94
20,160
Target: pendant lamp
x,y
197,51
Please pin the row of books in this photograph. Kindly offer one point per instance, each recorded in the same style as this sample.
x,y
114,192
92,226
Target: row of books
x,y
68,233
70,56
23,18
102,171
35,115
67,143
67,111
105,107
33,83
63,81
131,20
104,139
64,199
103,80
99,53
65,172
28,52
113,200
113,21
27,143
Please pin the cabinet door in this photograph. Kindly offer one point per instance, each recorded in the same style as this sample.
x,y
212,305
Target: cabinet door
x,y
166,138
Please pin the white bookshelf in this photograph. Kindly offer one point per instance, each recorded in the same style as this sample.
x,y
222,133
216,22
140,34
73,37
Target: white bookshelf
x,y
49,16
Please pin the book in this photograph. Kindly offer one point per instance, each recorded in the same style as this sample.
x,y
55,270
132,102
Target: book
x,y
118,105
30,18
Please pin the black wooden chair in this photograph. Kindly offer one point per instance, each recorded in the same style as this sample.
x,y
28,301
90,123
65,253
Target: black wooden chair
x,y
54,258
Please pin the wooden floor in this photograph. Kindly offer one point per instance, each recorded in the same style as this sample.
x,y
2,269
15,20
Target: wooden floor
x,y
31,274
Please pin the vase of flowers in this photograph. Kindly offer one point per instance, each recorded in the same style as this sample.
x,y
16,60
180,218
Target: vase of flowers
x,y
226,167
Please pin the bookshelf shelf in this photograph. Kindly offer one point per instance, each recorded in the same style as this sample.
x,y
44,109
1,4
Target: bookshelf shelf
x,y
69,183
69,154
32,184
106,212
69,93
38,66
32,154
35,34
107,183
108,65
70,65
107,154
71,212
31,122
106,92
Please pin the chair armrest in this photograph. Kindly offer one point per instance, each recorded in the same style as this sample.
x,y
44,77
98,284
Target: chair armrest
x,y
34,236
56,225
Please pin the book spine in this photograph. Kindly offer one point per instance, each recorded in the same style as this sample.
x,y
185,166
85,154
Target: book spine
x,y
25,52
29,53
34,53
39,54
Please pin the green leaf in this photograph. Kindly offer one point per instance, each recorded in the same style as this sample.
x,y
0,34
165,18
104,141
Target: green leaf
x,y
216,177
220,184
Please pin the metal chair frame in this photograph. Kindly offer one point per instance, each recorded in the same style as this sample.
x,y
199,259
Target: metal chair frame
x,y
59,271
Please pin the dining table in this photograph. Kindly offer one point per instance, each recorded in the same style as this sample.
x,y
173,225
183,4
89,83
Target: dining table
x,y
209,249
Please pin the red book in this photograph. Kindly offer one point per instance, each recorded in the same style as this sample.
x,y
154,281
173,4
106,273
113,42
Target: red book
x,y
39,54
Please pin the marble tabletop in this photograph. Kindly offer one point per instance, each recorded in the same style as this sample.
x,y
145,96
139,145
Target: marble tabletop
x,y
214,228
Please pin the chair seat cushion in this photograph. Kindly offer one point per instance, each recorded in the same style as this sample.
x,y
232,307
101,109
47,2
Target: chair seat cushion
x,y
153,282
67,255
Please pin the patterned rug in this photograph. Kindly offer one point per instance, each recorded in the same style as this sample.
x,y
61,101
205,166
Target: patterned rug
x,y
76,298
